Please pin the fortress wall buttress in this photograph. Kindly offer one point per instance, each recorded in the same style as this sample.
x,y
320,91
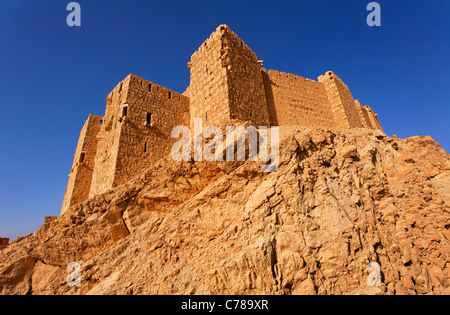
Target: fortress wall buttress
x,y
108,140
151,113
373,118
363,115
342,104
292,99
80,177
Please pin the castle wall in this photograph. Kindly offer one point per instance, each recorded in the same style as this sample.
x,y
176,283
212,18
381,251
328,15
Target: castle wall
x,y
139,119
109,136
342,104
293,99
153,111
80,176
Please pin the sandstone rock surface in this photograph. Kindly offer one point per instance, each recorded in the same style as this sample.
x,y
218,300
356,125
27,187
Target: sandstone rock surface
x,y
338,201
3,242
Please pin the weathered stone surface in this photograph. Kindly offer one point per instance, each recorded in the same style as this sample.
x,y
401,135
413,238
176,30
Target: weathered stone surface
x,y
16,277
4,243
339,200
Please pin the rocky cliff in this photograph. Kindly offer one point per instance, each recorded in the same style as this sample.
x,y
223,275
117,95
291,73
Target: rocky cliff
x,y
338,201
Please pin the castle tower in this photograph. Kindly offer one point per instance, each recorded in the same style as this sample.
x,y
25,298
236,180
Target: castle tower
x,y
139,119
133,135
80,176
226,81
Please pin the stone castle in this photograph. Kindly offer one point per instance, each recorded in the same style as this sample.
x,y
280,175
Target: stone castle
x,y
227,83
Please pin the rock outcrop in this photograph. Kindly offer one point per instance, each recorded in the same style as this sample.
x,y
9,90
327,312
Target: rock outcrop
x,y
3,243
338,201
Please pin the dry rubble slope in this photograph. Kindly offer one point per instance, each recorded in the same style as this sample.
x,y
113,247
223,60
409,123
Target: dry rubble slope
x,y
339,200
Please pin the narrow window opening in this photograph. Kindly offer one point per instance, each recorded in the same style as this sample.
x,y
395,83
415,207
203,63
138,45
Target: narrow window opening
x,y
145,147
149,87
125,111
206,115
170,95
120,87
149,118
101,122
82,157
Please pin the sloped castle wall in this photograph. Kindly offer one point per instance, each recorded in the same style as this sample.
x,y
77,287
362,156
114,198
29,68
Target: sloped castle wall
x,y
80,177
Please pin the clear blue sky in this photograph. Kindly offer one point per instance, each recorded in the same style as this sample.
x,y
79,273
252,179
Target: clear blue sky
x,y
53,76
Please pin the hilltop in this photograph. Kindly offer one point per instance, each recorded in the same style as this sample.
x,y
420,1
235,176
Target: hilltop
x,y
339,200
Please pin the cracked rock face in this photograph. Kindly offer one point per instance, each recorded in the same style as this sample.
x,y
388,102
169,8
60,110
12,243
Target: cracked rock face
x,y
338,201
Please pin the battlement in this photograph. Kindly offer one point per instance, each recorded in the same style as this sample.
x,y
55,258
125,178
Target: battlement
x,y
227,85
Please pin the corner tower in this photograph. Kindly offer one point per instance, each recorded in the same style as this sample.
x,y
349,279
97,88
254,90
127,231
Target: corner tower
x,y
136,132
226,81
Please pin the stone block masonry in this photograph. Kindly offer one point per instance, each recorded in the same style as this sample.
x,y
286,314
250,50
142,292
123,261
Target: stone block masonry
x,y
226,81
341,101
292,98
227,86
80,177
134,133
151,112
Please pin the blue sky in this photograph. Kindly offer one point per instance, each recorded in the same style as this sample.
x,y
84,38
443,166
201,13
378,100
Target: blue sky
x,y
53,76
